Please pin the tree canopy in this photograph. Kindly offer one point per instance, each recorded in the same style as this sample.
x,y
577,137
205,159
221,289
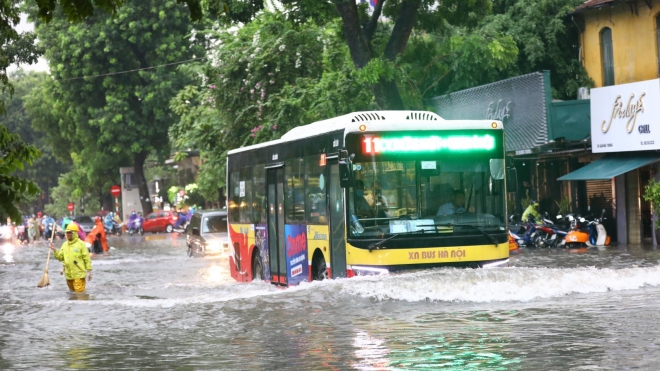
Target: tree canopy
x,y
14,155
274,74
45,170
109,119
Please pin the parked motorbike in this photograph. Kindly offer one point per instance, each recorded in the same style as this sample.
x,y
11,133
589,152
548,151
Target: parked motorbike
x,y
135,226
578,236
525,235
597,233
545,232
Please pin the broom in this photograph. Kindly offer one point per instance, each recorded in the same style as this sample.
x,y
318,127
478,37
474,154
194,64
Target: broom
x,y
44,280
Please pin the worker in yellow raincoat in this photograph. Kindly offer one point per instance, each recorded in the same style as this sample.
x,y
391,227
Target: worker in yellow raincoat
x,y
75,257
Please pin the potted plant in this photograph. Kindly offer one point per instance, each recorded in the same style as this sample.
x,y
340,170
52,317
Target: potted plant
x,y
652,195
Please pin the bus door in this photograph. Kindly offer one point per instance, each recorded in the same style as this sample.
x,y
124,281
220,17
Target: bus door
x,y
276,247
337,224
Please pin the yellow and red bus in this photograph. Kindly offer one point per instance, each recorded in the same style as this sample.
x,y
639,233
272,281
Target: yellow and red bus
x,y
368,193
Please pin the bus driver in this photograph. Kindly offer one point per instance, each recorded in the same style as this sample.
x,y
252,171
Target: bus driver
x,y
456,205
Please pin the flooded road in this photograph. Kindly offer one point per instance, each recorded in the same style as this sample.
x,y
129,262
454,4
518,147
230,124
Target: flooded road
x,y
152,307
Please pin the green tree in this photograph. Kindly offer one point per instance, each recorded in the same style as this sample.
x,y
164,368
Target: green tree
x,y
46,170
263,79
117,118
652,195
547,39
14,154
15,48
274,74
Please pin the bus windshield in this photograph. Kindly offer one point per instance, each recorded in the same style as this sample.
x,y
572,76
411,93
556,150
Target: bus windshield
x,y
446,195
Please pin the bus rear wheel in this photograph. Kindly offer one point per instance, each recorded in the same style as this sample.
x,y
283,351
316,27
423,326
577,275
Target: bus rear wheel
x,y
319,268
257,268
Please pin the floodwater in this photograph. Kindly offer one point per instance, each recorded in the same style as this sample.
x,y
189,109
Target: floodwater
x,y
149,306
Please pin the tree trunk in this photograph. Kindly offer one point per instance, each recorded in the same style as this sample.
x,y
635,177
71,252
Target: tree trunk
x,y
138,167
386,92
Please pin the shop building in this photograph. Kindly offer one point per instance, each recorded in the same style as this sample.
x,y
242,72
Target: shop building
x,y
620,44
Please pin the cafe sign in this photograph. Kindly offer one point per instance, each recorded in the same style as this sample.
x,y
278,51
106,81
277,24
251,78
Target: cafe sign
x,y
626,117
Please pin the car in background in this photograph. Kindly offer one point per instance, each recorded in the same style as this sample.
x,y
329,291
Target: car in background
x,y
85,222
159,221
207,233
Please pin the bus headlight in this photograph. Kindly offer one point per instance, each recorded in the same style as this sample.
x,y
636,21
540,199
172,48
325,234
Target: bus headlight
x,y
214,246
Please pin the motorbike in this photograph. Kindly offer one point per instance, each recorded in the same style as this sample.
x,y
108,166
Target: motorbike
x,y
545,232
552,234
578,236
115,229
135,226
597,233
182,226
524,236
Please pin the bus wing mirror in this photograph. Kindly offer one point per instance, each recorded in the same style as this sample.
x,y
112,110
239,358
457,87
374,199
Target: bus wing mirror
x,y
346,170
511,179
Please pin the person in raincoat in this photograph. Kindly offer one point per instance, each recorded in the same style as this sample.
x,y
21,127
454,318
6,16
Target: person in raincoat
x,y
32,229
75,258
98,234
49,226
531,211
531,214
108,221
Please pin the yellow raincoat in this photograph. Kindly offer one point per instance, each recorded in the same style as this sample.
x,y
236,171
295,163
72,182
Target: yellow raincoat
x,y
75,257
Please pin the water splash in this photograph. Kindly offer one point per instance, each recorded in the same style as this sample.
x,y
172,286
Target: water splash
x,y
496,285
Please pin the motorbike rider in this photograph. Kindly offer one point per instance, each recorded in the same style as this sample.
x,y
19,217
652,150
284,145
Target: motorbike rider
x,y
107,222
183,217
49,226
532,210
132,219
97,237
531,214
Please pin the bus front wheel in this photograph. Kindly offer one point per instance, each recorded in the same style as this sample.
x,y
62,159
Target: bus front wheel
x,y
319,270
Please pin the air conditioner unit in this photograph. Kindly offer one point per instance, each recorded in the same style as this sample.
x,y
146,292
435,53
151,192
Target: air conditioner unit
x,y
583,93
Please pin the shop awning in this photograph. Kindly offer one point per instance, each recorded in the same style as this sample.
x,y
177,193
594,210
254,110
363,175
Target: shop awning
x,y
612,165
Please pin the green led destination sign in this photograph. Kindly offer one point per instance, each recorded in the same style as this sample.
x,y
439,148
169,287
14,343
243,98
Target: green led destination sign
x,y
434,143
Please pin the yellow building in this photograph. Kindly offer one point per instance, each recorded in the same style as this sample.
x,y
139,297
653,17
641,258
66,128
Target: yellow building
x,y
619,49
619,40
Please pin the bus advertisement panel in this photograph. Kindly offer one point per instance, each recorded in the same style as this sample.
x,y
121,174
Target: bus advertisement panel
x,y
296,252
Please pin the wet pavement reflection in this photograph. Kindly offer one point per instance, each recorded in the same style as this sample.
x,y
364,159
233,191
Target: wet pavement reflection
x,y
149,306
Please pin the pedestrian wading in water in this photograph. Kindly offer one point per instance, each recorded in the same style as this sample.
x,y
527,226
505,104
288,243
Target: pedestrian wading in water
x,y
76,260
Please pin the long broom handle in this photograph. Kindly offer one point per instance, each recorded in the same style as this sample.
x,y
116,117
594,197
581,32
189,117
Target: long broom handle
x,y
52,234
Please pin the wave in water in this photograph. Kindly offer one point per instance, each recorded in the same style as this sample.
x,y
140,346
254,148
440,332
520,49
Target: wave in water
x,y
496,285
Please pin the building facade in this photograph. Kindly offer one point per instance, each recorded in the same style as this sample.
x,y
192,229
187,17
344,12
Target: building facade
x,y
620,50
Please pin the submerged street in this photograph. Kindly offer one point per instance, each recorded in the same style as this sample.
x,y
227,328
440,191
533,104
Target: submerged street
x,y
149,306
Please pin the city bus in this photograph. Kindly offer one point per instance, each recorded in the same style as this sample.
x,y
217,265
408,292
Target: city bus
x,y
368,193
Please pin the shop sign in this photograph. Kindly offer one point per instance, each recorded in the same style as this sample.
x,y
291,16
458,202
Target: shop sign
x,y
624,117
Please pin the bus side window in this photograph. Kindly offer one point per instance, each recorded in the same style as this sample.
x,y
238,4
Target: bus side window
x,y
315,204
245,198
294,190
234,202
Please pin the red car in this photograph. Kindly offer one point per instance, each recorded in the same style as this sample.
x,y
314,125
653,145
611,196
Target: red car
x,y
160,221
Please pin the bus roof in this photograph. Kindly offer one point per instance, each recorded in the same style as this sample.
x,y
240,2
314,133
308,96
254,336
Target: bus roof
x,y
376,121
